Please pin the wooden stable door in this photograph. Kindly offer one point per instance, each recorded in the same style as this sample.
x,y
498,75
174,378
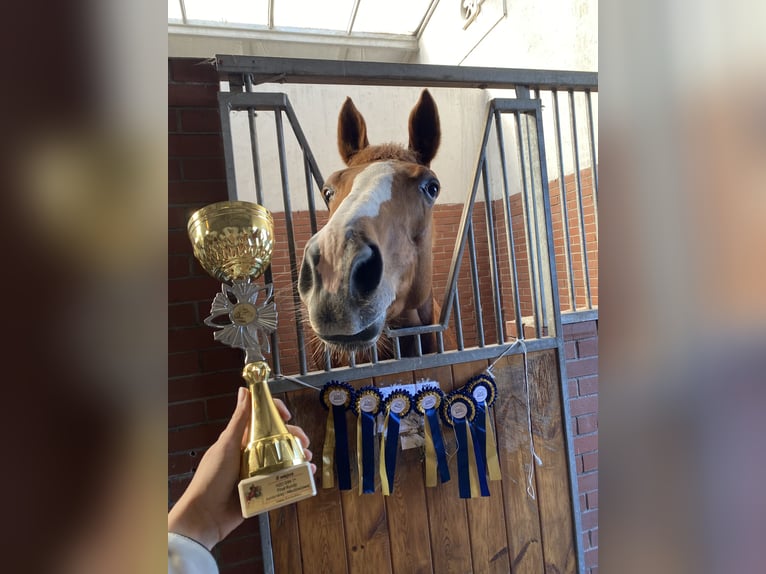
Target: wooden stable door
x,y
418,529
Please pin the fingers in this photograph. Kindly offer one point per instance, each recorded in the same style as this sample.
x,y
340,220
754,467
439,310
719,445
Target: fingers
x,y
240,419
298,432
283,412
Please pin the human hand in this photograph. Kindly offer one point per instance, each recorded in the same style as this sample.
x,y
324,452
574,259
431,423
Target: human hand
x,y
209,508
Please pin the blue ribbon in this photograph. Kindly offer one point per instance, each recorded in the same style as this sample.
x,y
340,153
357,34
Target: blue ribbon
x,y
463,476
479,436
341,447
368,452
392,437
436,435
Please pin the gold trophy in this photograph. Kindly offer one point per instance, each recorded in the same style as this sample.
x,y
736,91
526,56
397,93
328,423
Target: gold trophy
x,y
233,241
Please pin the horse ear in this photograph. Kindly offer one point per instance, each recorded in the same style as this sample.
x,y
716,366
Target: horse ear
x,y
425,131
352,131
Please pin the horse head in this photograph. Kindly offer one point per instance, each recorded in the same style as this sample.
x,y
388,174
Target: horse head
x,y
370,265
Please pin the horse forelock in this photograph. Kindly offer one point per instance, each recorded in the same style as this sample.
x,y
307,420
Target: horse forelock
x,y
383,152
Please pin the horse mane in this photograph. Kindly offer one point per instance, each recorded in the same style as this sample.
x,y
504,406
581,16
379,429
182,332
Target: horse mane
x,y
382,152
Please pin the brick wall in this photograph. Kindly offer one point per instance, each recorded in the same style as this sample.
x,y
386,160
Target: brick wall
x,y
203,375
581,348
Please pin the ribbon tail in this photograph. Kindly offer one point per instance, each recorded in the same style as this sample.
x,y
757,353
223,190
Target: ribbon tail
x,y
438,442
392,438
430,456
479,486
463,473
493,463
342,464
359,452
384,487
328,453
367,455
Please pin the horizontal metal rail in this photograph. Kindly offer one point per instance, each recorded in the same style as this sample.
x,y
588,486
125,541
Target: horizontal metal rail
x,y
309,71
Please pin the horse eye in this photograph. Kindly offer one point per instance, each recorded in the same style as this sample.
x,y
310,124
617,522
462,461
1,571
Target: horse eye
x,y
430,188
327,193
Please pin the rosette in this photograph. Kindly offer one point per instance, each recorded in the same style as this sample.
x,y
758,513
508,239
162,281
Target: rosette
x,y
427,403
458,410
483,389
336,397
396,406
368,402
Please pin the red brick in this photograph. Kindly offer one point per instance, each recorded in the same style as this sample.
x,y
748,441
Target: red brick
x,y
582,367
182,315
592,500
591,558
201,121
191,70
203,385
172,120
174,170
594,538
572,389
180,464
197,192
180,414
204,169
192,289
588,385
195,145
583,406
220,359
193,437
221,408
178,216
587,482
193,339
180,364
178,266
192,95
249,567
587,424
587,443
176,487
589,519
590,461
570,350
587,348
580,330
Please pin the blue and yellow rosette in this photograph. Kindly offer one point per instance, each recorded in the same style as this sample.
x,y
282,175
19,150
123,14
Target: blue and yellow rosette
x,y
458,410
483,390
427,403
368,402
336,397
396,406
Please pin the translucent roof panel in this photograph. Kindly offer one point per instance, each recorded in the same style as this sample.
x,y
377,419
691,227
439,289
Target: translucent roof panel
x,y
312,14
174,11
390,16
231,12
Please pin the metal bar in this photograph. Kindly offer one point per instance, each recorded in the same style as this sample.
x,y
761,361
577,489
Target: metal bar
x,y
327,359
267,551
310,195
563,201
578,188
593,164
270,15
303,142
525,208
538,278
579,316
458,322
406,364
254,145
493,268
465,218
559,338
313,71
510,241
478,311
184,19
426,18
352,19
228,146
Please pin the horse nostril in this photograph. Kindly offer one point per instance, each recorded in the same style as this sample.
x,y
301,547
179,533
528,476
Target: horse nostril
x,y
367,271
308,268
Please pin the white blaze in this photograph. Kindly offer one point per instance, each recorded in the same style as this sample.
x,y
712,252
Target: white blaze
x,y
372,188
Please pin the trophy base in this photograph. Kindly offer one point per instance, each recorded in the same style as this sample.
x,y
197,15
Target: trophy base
x,y
262,493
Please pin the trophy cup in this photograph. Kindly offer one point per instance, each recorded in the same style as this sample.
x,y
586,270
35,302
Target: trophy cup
x,y
233,241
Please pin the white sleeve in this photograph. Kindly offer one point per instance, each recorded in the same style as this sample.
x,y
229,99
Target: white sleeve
x,y
187,556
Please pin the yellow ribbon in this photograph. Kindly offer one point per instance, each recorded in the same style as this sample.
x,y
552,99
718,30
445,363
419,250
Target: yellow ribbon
x,y
430,456
493,464
328,453
384,486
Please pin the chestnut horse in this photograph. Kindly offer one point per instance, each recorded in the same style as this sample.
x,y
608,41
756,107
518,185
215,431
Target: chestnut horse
x,y
370,266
